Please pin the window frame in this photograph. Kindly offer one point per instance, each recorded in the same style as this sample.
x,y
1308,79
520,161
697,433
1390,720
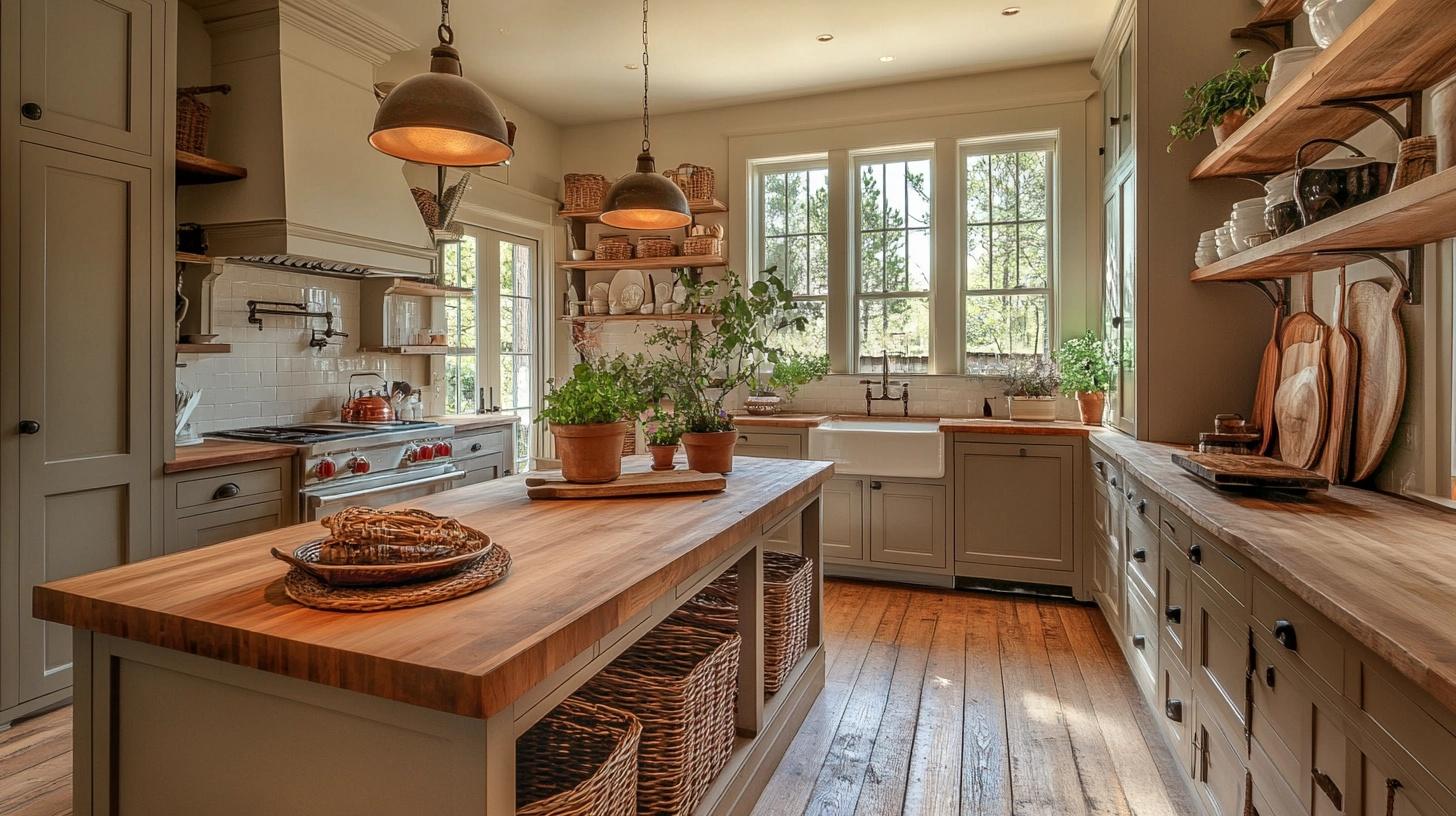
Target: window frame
x,y
966,148
760,237
886,155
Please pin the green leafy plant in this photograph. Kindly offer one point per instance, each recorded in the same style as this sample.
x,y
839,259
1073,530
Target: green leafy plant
x,y
704,361
666,429
1233,90
598,392
1085,364
794,372
1032,377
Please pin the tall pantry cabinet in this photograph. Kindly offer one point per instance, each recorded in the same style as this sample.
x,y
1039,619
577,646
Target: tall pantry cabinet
x,y
86,134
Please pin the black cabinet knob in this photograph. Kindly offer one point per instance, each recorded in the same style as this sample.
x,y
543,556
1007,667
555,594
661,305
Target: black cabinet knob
x,y
31,111
1142,507
1174,614
1129,494
1269,676
1284,633
1117,322
475,448
1114,120
876,485
29,426
1139,641
226,491
1195,553
1113,481
1140,555
1100,466
1174,710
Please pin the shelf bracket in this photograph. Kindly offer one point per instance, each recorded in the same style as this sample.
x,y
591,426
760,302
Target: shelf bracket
x,y
1408,278
1277,291
1277,34
1370,105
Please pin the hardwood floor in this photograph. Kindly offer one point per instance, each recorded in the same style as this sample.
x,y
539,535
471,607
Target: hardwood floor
x,y
935,703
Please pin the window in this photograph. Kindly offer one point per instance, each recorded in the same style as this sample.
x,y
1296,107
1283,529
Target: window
x,y
794,236
1008,255
517,342
460,262
893,263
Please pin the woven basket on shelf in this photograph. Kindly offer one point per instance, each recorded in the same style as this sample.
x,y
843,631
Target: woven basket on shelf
x,y
612,248
193,117
681,682
695,180
428,205
584,191
655,246
788,590
579,760
702,245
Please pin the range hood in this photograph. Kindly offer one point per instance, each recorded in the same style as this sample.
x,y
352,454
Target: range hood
x,y
317,198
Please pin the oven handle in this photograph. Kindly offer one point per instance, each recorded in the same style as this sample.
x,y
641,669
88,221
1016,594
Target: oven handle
x,y
314,499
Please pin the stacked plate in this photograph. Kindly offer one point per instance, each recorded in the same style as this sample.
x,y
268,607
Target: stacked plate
x,y
1207,251
1246,223
1223,240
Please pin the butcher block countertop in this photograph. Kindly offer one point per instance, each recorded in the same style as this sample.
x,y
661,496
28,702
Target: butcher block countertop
x,y
581,569
780,420
1380,567
218,452
464,423
1014,427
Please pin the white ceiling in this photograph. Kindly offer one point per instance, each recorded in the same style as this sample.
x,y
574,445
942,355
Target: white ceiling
x,y
563,59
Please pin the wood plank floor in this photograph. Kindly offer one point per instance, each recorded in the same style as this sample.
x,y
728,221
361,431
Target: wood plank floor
x,y
935,703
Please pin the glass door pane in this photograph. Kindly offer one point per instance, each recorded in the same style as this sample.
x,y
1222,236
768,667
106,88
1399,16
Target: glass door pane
x,y
516,342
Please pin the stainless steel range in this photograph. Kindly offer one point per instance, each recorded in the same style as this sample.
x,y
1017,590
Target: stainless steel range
x,y
340,464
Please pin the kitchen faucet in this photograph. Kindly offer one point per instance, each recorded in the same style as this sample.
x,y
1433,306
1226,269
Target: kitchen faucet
x,y
885,386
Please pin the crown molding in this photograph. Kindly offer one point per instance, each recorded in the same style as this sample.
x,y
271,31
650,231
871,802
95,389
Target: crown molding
x,y
361,34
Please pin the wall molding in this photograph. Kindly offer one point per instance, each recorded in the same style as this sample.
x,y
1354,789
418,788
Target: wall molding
x,y
336,23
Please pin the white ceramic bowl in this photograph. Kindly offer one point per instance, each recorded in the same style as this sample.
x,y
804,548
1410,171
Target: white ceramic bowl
x,y
1286,65
581,254
1328,19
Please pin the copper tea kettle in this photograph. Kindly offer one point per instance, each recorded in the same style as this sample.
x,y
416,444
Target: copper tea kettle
x,y
367,405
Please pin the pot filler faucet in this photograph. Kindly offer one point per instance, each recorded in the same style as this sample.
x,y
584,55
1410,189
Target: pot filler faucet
x,y
885,385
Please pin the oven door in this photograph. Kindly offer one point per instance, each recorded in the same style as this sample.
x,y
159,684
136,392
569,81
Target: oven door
x,y
379,490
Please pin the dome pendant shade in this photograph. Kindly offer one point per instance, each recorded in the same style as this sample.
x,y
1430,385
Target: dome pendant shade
x,y
441,118
645,200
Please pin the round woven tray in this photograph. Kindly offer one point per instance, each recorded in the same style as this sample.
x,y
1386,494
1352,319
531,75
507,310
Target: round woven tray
x,y
492,566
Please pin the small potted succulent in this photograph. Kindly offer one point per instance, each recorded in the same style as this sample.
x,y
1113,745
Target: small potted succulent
x,y
1222,103
588,416
1031,390
1086,368
663,438
788,375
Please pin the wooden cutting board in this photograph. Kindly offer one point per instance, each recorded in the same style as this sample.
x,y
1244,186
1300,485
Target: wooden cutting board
x,y
1373,315
1226,471
1344,359
1301,403
1267,386
662,483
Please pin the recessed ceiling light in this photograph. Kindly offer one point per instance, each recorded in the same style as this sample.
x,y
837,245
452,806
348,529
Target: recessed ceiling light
x,y
887,58
824,37
631,66
1010,11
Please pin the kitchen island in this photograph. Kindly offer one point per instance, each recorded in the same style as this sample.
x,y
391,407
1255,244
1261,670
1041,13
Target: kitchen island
x,y
202,689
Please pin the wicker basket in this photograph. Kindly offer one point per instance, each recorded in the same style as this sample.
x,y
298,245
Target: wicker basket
x,y
655,246
193,117
681,682
612,248
702,245
695,180
788,590
584,191
579,760
429,207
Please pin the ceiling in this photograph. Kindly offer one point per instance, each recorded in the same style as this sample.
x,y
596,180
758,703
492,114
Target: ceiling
x,y
564,59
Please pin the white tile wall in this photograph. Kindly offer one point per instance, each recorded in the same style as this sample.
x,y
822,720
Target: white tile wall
x,y
939,396
272,376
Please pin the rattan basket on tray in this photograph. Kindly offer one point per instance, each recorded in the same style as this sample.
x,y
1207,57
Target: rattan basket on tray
x,y
579,760
612,248
788,588
655,246
681,682
584,191
695,180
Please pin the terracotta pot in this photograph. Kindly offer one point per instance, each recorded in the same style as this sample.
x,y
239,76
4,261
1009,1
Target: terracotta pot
x,y
662,456
1032,409
710,452
590,454
1091,405
1232,121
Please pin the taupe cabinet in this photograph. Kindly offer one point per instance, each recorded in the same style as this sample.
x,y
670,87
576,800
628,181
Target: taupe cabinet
x,y
214,505
783,534
1015,506
83,304
485,454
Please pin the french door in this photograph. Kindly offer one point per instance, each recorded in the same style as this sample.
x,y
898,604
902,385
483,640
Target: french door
x,y
494,360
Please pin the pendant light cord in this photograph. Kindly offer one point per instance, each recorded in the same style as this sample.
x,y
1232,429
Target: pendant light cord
x,y
445,32
646,140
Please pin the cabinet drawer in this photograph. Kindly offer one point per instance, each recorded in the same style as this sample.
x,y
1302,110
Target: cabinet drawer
x,y
479,443
1139,505
231,488
1425,740
1105,473
1142,555
1174,527
1224,574
1177,709
1280,722
1106,585
1271,796
483,467
1289,624
1173,597
1379,798
1142,640
769,445
1218,770
1219,646
204,529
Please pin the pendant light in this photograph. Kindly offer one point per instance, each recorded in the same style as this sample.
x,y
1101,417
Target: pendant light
x,y
441,117
645,199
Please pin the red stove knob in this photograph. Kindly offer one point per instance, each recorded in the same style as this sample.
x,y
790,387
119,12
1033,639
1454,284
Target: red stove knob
x,y
442,450
359,465
424,453
325,469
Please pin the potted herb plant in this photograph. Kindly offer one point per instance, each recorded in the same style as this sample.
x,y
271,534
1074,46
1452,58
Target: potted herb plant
x,y
1222,103
663,439
704,361
784,381
588,417
1031,390
1086,369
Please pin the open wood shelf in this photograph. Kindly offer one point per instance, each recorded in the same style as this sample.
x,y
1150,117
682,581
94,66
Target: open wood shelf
x,y
1279,11
697,208
193,258
640,318
1396,46
204,348
423,289
670,262
1424,212
424,350
195,169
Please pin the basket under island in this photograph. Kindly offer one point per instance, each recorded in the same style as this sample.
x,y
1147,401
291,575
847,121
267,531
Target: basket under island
x,y
201,688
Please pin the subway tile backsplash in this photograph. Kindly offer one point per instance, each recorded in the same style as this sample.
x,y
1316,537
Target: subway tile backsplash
x,y
273,376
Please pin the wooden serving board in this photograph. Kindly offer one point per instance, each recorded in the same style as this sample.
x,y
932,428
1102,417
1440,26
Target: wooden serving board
x,y
1373,315
1344,358
663,483
1225,471
1268,385
1301,403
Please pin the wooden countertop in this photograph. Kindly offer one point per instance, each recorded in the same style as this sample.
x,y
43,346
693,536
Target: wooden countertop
x,y
218,452
1006,426
780,420
581,569
1380,567
464,423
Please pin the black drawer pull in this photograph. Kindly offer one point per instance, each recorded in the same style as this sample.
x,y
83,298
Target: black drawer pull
x,y
1174,710
876,485
1195,553
475,448
1284,633
1101,467
1112,481
1140,641
29,427
1323,781
1174,614
226,491
1142,507
1140,555
1172,528
1269,676
1130,494
31,111
742,437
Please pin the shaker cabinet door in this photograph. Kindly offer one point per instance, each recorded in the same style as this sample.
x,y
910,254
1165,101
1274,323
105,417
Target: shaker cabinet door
x,y
1015,505
86,69
907,524
844,519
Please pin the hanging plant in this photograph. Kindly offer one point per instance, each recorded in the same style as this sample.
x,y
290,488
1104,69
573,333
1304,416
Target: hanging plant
x,y
1234,92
